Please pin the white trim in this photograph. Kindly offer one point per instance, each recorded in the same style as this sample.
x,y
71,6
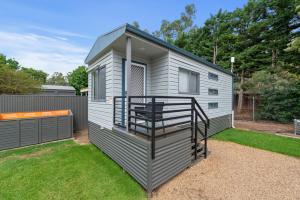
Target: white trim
x,y
146,41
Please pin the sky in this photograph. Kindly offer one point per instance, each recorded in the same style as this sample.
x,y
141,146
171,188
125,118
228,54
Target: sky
x,y
56,36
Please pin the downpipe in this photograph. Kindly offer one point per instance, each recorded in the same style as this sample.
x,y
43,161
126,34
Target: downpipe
x,y
232,119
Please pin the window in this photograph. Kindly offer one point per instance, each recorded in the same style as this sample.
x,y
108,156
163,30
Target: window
x,y
214,92
213,105
99,84
213,76
189,82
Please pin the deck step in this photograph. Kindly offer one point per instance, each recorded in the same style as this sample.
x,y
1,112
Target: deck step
x,y
199,146
200,150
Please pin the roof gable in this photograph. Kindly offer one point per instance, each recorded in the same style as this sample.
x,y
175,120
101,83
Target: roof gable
x,y
105,40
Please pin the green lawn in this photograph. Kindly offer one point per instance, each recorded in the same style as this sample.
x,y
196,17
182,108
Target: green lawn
x,y
270,142
64,170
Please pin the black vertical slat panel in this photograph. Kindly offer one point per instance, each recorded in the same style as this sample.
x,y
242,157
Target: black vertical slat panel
x,y
27,103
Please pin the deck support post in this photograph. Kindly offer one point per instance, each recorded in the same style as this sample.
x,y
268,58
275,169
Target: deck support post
x,y
128,78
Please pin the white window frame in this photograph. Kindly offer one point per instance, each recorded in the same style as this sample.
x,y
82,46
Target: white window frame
x,y
190,84
94,73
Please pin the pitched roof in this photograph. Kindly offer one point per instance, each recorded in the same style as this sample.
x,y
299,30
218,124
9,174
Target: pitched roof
x,y
105,40
57,87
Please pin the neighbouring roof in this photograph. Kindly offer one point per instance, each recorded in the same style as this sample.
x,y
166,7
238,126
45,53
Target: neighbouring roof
x,y
105,40
57,87
84,90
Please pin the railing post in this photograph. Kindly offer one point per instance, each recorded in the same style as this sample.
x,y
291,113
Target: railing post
x,y
114,114
128,113
153,128
196,134
205,141
192,118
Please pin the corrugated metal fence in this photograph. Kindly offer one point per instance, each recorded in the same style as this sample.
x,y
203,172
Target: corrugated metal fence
x,y
27,103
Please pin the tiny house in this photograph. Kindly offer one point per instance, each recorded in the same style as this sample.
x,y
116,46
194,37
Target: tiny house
x,y
152,105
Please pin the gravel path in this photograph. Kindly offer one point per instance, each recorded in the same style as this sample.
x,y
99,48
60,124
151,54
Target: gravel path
x,y
233,171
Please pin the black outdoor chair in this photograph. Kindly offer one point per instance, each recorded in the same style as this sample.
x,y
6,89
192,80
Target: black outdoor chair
x,y
147,114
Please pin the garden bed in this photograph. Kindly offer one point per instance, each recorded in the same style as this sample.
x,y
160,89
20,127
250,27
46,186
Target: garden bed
x,y
28,128
265,126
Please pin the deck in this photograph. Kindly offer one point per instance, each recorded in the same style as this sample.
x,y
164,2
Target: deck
x,y
155,137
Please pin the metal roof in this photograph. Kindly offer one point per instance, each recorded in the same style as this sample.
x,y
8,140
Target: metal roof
x,y
57,87
105,40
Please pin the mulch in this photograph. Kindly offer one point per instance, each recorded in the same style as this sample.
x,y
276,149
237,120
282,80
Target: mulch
x,y
267,126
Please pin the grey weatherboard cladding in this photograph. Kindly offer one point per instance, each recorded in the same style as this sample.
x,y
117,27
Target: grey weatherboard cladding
x,y
133,154
129,152
24,132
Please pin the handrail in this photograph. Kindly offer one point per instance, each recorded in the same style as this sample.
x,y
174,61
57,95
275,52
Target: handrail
x,y
202,112
206,125
161,97
190,118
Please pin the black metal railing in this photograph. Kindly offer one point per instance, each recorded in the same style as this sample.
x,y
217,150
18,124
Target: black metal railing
x,y
175,114
119,116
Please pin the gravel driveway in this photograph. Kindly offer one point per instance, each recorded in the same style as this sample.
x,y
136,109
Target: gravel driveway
x,y
233,171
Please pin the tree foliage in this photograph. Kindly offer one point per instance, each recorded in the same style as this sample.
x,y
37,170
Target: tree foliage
x,y
78,78
14,80
294,45
279,95
37,75
263,36
9,63
170,31
136,24
57,78
17,82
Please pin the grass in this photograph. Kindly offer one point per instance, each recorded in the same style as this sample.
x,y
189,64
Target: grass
x,y
64,170
270,142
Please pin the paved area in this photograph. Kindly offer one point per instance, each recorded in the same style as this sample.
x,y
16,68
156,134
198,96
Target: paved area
x,y
236,172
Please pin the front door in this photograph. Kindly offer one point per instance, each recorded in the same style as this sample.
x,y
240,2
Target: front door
x,y
137,84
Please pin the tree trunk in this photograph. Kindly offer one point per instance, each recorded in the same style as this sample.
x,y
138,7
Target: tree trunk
x,y
274,57
215,53
241,94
